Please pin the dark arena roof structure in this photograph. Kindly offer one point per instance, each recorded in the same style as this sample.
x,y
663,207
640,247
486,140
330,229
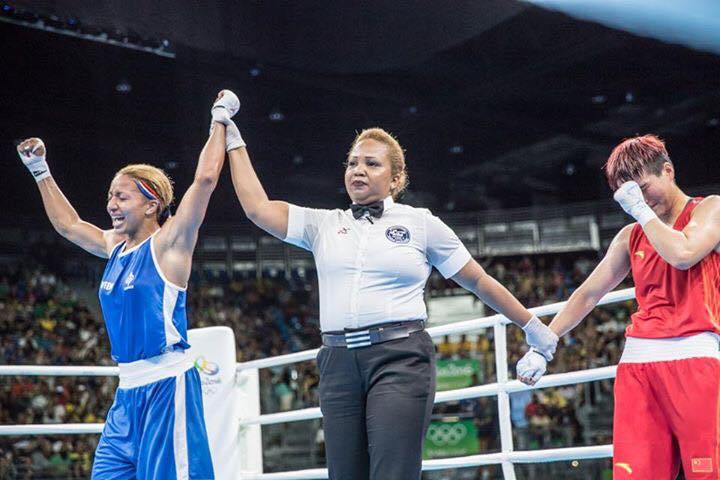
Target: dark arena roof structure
x,y
499,104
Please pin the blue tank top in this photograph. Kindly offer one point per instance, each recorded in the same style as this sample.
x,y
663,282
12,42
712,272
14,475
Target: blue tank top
x,y
144,313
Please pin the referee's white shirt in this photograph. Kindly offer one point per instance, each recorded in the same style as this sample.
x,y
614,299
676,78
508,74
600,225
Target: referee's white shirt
x,y
372,272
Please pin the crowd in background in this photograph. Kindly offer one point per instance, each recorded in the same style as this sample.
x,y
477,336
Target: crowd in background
x,y
42,321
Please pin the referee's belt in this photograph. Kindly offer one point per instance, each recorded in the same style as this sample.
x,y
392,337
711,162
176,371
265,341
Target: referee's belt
x,y
373,335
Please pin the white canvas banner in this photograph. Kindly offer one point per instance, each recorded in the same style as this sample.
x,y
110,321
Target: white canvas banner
x,y
213,351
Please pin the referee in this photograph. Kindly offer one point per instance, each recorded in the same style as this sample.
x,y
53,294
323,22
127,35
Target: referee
x,y
377,363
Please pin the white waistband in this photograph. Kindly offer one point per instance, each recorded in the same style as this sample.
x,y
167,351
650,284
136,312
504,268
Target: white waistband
x,y
643,350
143,372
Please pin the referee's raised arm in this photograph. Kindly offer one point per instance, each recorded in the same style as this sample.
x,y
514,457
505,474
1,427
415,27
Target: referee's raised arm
x,y
270,215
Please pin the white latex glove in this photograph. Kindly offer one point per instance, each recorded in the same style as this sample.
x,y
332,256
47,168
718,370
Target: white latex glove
x,y
531,367
540,338
233,139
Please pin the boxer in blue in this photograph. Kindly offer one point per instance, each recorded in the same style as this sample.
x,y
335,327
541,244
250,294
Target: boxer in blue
x,y
155,428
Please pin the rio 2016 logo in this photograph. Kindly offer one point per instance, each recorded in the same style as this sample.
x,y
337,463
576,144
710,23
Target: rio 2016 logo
x,y
206,367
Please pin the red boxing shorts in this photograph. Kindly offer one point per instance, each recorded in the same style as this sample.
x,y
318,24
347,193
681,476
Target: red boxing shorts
x,y
666,413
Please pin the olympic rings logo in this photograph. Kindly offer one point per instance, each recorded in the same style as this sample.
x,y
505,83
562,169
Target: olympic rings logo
x,y
207,367
443,434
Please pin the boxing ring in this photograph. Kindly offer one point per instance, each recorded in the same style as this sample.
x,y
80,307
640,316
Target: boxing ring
x,y
248,442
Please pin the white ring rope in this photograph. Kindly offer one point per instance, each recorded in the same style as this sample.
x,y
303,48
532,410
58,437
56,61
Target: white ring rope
x,y
533,456
441,330
507,457
50,429
491,389
59,371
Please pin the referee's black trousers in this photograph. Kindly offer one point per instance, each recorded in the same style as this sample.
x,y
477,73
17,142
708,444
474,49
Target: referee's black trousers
x,y
376,403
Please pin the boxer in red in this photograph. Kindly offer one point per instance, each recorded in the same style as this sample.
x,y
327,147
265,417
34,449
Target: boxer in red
x,y
667,389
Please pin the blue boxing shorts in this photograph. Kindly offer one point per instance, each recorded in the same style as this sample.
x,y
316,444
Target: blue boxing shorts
x,y
155,429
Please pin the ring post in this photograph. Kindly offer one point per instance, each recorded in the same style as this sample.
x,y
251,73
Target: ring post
x,y
503,399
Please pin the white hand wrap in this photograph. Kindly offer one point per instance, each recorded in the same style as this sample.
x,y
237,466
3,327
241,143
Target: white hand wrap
x,y
532,366
225,108
630,198
36,163
540,338
233,139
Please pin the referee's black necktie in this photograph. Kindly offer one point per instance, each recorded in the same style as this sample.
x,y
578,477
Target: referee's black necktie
x,y
374,209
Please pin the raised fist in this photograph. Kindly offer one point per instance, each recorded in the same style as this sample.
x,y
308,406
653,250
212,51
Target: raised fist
x,y
225,107
32,153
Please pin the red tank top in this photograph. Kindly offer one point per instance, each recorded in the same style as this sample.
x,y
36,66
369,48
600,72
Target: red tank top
x,y
673,302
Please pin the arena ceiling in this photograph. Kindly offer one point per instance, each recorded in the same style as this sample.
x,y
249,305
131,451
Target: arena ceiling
x,y
498,103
